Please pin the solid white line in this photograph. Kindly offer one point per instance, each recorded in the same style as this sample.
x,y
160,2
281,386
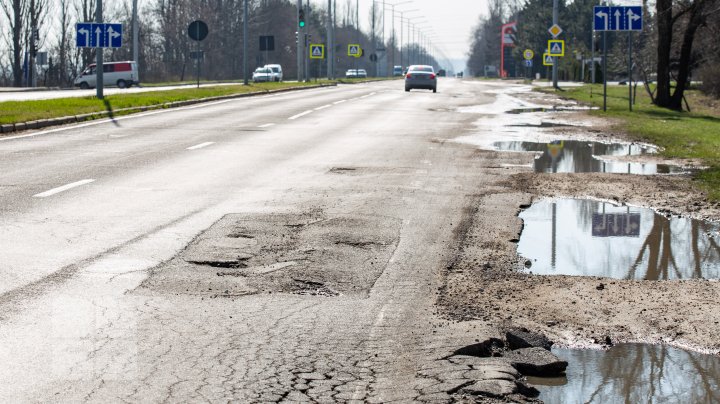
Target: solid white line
x,y
323,107
339,102
267,125
300,114
200,146
62,188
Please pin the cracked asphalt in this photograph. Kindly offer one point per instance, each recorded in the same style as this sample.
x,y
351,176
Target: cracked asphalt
x,y
247,251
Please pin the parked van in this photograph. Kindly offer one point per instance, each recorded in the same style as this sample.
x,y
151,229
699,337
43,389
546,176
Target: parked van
x,y
277,73
121,74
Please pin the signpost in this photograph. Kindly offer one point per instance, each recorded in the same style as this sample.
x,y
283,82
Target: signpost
x,y
94,35
547,59
556,47
528,54
197,31
317,51
354,50
617,18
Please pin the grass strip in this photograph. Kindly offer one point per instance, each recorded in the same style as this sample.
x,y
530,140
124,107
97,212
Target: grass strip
x,y
26,111
681,134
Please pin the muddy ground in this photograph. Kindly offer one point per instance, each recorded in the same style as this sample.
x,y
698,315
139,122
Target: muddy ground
x,y
486,281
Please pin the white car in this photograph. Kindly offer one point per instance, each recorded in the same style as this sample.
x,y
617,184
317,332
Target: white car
x,y
121,74
356,74
277,72
262,75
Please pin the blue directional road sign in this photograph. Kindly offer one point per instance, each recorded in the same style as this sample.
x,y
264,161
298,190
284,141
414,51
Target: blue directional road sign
x,y
617,18
93,35
528,63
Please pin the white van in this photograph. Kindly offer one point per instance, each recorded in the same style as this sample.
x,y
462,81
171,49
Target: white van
x,y
277,73
121,74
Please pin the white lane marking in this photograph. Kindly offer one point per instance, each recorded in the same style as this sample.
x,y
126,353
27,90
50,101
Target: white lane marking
x,y
323,107
62,188
339,102
267,125
300,114
200,146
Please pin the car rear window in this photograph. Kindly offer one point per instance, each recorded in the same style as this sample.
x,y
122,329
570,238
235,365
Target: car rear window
x,y
422,69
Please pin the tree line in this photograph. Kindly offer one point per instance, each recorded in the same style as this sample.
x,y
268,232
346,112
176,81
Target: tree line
x,y
165,51
678,43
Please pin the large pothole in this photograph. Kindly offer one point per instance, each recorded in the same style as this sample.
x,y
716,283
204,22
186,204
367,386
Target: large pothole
x,y
308,254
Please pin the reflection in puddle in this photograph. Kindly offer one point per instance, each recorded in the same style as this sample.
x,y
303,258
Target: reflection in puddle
x,y
589,238
569,156
633,373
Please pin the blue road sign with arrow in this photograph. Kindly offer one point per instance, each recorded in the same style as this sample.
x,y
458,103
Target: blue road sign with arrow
x,y
93,35
619,18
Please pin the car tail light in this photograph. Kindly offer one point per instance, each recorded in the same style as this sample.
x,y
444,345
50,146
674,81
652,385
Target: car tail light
x,y
408,76
432,76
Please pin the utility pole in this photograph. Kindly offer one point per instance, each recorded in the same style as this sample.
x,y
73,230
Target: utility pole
x,y
99,55
555,58
372,38
300,42
330,45
136,30
245,42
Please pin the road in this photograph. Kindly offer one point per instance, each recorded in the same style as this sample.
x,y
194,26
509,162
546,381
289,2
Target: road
x,y
280,247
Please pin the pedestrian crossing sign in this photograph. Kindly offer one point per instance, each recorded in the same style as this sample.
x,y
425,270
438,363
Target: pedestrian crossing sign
x,y
556,47
354,50
317,51
547,59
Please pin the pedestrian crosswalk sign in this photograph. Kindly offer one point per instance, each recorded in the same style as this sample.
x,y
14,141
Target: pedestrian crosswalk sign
x,y
547,59
556,47
317,51
354,50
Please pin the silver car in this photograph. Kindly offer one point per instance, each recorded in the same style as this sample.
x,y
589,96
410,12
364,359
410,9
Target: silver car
x,y
421,76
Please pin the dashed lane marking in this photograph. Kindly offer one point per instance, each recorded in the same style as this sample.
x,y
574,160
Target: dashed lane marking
x,y
200,146
300,114
62,188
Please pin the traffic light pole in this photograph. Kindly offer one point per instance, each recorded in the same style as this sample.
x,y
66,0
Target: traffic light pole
x,y
245,42
300,42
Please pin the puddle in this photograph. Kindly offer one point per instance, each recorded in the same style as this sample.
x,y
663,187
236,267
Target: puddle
x,y
633,373
571,156
590,238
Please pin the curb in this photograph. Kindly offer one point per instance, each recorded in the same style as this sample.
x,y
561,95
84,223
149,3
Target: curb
x,y
65,120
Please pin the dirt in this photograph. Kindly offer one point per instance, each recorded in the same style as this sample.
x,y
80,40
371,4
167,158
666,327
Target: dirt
x,y
486,280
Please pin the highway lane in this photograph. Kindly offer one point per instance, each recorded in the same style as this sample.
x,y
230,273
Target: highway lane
x,y
92,214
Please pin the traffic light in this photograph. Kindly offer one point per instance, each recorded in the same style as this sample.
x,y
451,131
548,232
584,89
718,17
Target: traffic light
x,y
301,18
296,37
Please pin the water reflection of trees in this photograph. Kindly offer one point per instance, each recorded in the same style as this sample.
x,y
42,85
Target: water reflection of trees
x,y
634,373
659,247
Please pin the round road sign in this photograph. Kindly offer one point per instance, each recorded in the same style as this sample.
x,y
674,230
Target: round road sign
x,y
197,30
528,54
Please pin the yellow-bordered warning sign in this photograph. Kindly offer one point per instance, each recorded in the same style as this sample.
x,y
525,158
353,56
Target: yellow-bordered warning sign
x,y
317,51
556,47
354,50
547,60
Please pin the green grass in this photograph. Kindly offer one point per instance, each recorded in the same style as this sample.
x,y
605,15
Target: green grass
x,y
681,134
26,111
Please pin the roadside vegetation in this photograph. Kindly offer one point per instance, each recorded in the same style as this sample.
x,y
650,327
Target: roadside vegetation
x,y
26,111
681,134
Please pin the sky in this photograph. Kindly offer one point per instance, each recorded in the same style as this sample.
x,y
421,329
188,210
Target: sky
x,y
451,21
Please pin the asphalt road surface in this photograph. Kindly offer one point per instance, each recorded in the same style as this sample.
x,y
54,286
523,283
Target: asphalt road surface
x,y
281,247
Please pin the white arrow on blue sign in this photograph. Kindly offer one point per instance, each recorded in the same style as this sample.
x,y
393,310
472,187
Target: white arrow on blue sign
x,y
92,35
617,18
528,63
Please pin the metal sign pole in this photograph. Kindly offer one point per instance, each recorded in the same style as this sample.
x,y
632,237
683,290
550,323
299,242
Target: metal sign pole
x,y
197,55
245,42
555,58
99,55
604,70
630,95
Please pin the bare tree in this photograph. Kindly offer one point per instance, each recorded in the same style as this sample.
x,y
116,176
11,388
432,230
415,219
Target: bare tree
x,y
15,12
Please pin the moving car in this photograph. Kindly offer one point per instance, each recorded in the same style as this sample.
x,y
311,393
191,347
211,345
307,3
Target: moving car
x,y
397,71
421,76
262,75
121,74
277,72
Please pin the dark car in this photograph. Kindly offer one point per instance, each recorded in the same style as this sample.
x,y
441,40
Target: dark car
x,y
421,76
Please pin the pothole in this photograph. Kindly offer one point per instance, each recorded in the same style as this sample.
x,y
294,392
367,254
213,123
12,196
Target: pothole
x,y
571,156
591,238
304,253
633,373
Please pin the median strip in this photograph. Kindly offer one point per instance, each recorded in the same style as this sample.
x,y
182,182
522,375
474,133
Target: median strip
x,y
62,188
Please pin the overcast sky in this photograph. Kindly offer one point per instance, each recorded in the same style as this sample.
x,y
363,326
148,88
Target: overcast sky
x,y
452,21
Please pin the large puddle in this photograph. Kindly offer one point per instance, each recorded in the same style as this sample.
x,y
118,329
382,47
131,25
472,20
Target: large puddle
x,y
569,156
590,238
633,373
